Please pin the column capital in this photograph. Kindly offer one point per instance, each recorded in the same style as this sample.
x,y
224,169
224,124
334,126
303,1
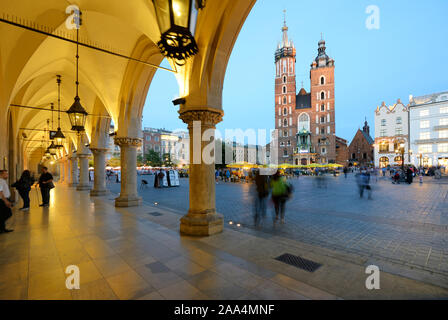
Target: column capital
x,y
127,141
99,150
208,117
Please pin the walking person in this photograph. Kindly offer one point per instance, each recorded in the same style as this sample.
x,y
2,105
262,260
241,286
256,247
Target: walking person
x,y
280,193
262,192
45,185
345,172
23,186
5,203
365,184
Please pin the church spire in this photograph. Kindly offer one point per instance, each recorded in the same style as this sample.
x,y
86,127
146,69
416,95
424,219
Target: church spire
x,y
285,31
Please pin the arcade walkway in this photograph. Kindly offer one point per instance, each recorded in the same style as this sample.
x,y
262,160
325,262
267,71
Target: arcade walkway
x,y
137,253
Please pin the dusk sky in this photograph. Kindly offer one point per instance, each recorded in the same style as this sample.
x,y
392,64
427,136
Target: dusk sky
x,y
407,55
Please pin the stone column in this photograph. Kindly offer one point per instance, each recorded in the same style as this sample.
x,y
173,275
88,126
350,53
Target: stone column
x,y
67,170
73,171
99,182
83,172
128,151
201,219
61,171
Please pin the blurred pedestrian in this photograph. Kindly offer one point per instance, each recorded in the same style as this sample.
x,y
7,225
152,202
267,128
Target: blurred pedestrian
x,y
262,192
280,193
345,172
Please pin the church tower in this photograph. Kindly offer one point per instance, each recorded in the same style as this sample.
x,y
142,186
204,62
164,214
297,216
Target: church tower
x,y
323,128
285,97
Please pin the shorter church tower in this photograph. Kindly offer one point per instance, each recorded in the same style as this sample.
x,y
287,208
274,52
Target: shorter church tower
x,y
323,125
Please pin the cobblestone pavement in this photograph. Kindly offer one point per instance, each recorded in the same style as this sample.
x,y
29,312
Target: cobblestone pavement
x,y
404,224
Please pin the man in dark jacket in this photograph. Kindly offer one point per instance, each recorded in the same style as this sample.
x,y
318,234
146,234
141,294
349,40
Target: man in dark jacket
x,y
45,185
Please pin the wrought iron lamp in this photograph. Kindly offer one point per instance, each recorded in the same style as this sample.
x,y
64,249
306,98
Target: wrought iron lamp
x,y
77,114
177,23
59,136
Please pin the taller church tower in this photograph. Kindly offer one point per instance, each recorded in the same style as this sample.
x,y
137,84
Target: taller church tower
x,y
285,97
323,128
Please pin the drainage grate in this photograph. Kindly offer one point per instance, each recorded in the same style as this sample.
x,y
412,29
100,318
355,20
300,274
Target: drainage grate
x,y
299,262
155,214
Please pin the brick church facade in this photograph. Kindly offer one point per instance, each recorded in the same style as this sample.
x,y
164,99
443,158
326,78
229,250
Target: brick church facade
x,y
305,122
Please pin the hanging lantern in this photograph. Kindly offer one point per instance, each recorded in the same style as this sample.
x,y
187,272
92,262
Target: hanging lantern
x,y
177,23
47,153
77,114
52,149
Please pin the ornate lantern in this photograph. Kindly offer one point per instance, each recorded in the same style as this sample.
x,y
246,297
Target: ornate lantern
x,y
59,136
77,114
177,24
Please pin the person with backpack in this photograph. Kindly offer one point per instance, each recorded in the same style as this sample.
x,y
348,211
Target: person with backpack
x,y
281,191
23,186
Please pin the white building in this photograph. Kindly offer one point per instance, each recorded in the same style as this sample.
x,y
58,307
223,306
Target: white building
x,y
391,134
429,129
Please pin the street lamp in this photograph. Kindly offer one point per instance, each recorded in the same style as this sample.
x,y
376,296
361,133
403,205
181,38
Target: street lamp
x,y
77,114
59,136
177,23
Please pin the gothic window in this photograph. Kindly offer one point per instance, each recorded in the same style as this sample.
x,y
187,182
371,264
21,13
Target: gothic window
x,y
285,111
284,100
322,80
289,143
322,119
285,133
322,130
322,107
322,96
285,122
285,152
284,89
284,79
304,122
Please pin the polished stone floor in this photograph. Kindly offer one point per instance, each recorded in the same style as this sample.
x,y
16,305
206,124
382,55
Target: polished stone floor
x,y
137,253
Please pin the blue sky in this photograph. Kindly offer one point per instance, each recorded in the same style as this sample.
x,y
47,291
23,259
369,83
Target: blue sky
x,y
407,55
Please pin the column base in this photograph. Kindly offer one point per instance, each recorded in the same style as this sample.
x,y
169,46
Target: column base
x,y
99,193
85,187
202,224
128,201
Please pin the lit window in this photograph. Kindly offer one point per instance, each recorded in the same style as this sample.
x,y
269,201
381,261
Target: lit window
x,y
424,113
443,122
425,124
425,135
443,134
425,148
443,147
